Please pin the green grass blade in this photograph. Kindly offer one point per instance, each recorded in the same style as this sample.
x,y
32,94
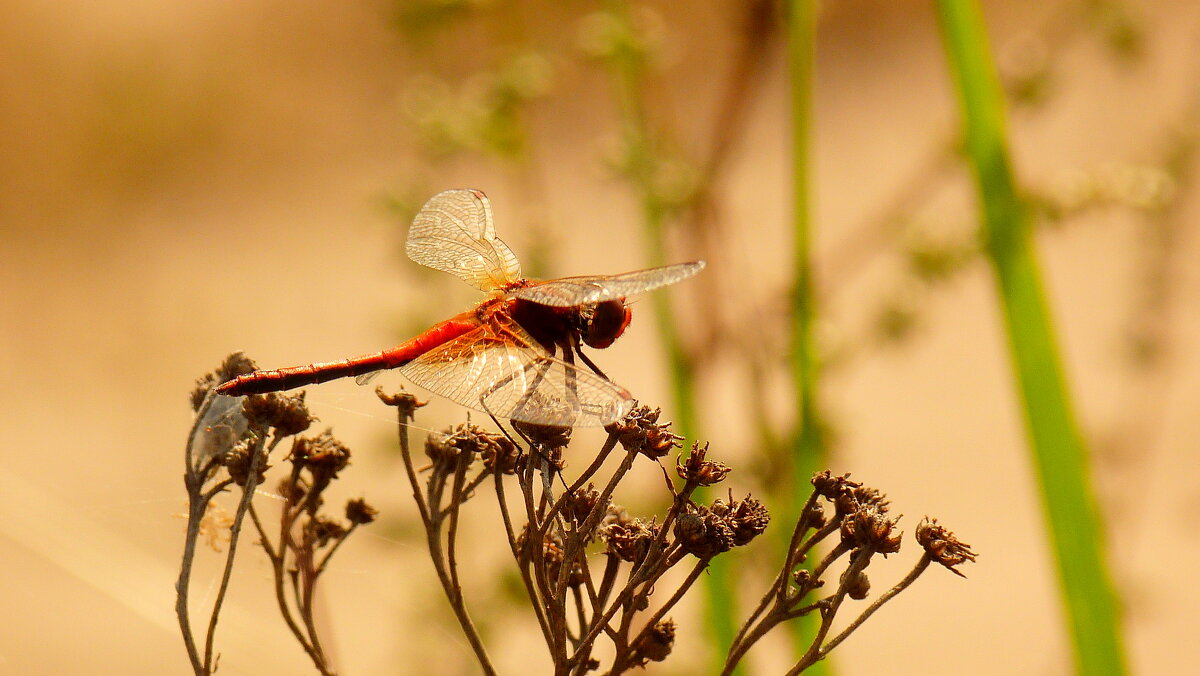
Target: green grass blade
x,y
808,450
627,69
1058,449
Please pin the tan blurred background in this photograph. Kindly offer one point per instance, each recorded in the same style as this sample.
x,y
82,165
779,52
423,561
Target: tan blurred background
x,y
178,180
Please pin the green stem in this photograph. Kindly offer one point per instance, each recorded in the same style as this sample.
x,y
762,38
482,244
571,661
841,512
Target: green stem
x,y
808,448
628,73
1058,449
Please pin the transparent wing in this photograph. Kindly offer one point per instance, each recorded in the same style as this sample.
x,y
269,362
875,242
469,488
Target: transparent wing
x,y
571,291
454,233
499,369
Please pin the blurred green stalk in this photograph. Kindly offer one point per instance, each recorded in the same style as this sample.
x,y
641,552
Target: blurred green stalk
x,y
1058,448
628,72
808,450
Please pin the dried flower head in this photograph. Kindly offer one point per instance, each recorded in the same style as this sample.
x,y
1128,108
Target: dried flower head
x,y
640,431
942,546
654,645
705,532
359,513
286,413
406,402
869,528
630,540
697,471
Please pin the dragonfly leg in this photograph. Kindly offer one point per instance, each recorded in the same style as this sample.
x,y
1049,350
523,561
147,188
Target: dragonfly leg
x,y
583,357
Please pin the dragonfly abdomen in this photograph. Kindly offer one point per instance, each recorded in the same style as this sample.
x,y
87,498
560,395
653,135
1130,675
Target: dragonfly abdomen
x,y
276,380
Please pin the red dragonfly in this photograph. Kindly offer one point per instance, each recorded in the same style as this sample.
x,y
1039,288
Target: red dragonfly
x,y
513,355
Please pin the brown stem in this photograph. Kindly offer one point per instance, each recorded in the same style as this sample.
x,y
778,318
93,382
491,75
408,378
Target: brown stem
x,y
433,541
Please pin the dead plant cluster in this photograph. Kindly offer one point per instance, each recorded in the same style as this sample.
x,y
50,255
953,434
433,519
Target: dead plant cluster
x,y
595,576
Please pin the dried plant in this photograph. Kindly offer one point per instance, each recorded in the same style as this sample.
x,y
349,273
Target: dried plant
x,y
230,445
593,573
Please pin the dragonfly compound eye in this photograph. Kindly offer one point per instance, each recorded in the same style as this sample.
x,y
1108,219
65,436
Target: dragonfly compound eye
x,y
605,322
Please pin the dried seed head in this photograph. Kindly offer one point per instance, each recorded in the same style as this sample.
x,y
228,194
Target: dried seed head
x,y
749,518
406,402
323,455
704,533
858,587
322,531
439,449
546,436
865,495
552,556
580,503
640,431
615,514
654,645
237,463
697,471
359,513
234,365
869,528
942,546
461,443
629,541
501,455
286,413
829,486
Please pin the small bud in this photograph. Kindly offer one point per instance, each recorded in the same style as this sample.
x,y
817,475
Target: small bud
x,y
803,578
814,516
654,645
858,587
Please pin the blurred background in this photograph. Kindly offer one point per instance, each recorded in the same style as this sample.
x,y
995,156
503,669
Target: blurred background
x,y
180,180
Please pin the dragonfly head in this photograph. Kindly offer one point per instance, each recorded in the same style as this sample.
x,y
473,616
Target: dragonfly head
x,y
604,322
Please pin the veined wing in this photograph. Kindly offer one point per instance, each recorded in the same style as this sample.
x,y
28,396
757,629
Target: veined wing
x,y
454,233
571,291
500,369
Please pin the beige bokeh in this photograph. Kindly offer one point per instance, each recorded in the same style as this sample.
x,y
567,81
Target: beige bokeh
x,y
178,180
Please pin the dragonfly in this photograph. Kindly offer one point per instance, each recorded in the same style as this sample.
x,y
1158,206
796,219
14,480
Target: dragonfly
x,y
513,355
